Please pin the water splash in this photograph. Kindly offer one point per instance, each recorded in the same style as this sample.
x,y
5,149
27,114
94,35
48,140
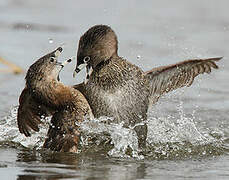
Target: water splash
x,y
122,139
168,137
174,129
9,132
138,57
179,137
50,40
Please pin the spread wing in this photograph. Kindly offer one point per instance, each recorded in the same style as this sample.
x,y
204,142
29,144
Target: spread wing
x,y
29,113
167,78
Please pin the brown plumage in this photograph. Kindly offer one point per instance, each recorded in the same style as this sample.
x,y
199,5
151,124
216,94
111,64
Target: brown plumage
x,y
44,95
167,78
30,112
116,88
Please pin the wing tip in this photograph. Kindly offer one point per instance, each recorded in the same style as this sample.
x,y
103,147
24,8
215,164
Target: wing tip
x,y
216,58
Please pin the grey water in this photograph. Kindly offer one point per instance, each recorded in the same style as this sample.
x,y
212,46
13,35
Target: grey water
x,y
188,134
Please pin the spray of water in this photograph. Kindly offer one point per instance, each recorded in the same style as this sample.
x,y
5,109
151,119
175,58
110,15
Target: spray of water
x,y
9,132
168,137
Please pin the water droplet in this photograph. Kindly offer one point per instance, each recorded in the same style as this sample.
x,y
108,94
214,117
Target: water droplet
x,y
163,152
50,40
138,57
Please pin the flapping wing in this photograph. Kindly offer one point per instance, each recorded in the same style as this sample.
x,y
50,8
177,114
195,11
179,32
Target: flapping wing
x,y
29,113
167,78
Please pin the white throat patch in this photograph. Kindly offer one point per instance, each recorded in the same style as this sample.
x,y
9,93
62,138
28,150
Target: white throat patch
x,y
89,70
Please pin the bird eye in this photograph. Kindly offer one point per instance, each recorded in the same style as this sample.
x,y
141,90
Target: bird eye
x,y
86,59
52,59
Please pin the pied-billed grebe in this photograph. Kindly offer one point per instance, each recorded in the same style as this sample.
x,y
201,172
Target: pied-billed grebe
x,y
44,94
115,87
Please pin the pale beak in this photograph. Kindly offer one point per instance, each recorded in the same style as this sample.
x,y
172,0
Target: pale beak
x,y
58,51
68,61
79,68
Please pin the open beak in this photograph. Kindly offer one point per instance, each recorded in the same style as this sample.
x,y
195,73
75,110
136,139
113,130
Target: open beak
x,y
58,52
89,70
67,61
79,68
63,64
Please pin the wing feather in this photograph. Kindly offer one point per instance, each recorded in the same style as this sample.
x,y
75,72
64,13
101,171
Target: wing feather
x,y
29,113
167,78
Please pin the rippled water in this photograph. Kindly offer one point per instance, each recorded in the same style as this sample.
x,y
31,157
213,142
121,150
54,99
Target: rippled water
x,y
188,129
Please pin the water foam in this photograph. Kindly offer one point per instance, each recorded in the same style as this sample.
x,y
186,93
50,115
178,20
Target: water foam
x,y
167,136
120,137
171,130
9,132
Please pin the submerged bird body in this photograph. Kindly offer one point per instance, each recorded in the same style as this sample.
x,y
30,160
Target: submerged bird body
x,y
116,88
66,104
